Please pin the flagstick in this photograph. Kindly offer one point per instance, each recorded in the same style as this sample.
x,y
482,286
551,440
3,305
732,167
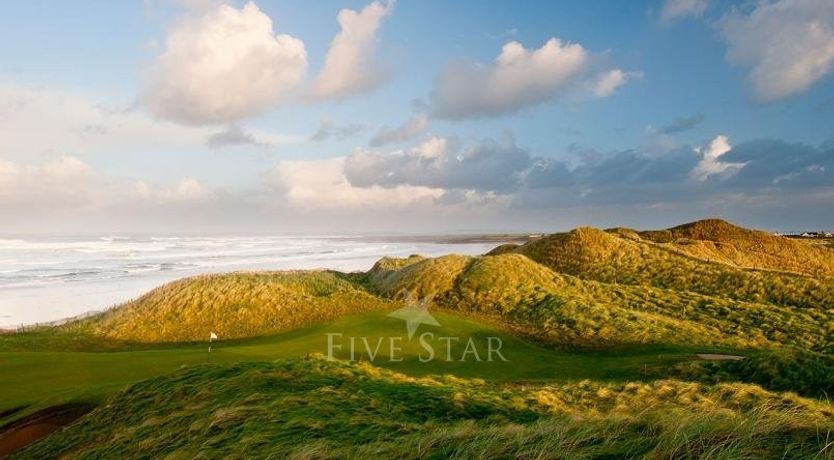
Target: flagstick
x,y
212,337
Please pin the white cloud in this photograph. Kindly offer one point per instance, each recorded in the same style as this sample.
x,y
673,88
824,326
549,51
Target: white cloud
x,y
407,131
488,166
608,82
679,9
349,66
711,163
67,184
321,185
60,183
223,65
518,78
36,122
787,44
186,190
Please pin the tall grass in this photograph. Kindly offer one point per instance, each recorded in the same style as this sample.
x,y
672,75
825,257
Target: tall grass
x,y
564,309
613,258
718,240
320,409
236,305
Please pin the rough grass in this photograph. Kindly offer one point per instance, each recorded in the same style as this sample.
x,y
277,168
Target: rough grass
x,y
236,305
718,240
420,278
810,374
321,409
509,288
566,310
613,257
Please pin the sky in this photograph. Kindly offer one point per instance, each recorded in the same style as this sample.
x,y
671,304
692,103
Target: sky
x,y
203,116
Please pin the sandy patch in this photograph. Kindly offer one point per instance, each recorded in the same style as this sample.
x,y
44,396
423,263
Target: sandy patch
x,y
717,357
21,433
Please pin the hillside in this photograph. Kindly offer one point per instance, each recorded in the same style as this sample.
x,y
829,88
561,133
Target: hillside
x,y
721,241
419,277
508,289
235,305
566,310
620,258
321,409
585,288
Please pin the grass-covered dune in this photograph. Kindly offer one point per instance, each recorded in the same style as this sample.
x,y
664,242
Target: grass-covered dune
x,y
620,257
236,305
510,289
321,409
721,241
567,310
562,289
584,288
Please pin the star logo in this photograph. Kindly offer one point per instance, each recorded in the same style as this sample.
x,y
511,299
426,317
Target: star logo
x,y
414,314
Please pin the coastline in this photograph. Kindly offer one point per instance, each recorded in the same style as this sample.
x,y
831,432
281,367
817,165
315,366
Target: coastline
x,y
55,281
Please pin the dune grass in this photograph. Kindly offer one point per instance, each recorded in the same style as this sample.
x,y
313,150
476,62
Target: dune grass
x,y
236,305
719,240
565,310
321,409
611,257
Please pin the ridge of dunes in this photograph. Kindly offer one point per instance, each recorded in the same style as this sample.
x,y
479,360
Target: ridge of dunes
x,y
564,309
721,241
622,257
587,288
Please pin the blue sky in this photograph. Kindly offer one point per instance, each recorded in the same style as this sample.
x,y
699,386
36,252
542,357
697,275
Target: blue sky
x,y
690,75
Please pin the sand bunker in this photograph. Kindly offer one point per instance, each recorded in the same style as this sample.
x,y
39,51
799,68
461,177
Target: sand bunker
x,y
21,433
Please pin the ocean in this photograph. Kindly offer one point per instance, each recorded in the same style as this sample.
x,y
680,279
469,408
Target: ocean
x,y
48,279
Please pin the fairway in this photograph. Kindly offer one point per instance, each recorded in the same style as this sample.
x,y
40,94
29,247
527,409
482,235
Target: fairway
x,y
52,377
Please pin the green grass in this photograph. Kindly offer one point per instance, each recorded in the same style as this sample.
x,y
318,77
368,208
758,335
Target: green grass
x,y
599,329
320,409
44,378
570,311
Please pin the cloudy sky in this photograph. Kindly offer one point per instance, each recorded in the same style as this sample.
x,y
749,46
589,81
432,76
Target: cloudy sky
x,y
414,116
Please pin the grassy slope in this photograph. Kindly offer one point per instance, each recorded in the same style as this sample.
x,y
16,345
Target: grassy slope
x,y
236,305
625,291
320,409
718,240
563,309
614,257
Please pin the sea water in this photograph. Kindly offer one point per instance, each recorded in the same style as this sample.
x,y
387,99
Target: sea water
x,y
46,279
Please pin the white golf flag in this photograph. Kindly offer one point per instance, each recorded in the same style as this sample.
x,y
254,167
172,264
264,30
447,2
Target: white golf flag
x,y
212,336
